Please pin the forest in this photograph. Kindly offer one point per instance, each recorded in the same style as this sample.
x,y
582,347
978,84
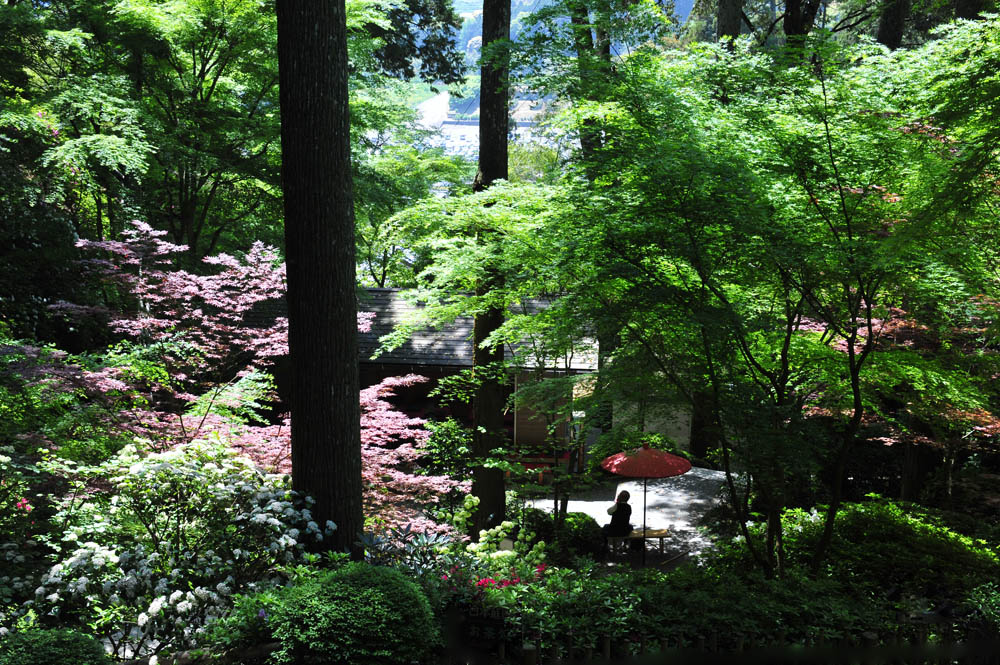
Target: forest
x,y
774,223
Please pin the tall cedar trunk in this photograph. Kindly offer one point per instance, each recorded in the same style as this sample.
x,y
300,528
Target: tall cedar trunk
x,y
583,40
593,67
892,23
319,238
489,400
798,21
704,436
728,19
968,8
493,94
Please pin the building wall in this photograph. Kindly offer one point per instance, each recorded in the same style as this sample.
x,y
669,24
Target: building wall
x,y
672,420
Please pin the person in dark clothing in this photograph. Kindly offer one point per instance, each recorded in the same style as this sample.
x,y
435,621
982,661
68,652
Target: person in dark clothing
x,y
620,513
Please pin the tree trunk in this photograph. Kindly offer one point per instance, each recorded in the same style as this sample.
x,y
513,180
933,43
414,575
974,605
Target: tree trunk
x,y
892,23
487,408
493,95
728,19
583,41
969,9
798,21
843,455
489,401
319,237
704,436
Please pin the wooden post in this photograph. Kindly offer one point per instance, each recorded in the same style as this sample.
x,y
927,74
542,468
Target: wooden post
x,y
606,648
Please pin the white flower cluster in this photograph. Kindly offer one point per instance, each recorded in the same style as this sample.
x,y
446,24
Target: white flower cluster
x,y
498,556
211,526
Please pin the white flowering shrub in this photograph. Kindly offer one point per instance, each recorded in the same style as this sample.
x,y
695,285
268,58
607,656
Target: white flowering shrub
x,y
180,534
499,557
18,549
496,553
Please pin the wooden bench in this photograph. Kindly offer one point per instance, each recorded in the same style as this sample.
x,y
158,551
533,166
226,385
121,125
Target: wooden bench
x,y
617,543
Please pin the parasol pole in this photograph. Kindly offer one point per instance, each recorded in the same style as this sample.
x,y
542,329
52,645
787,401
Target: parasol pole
x,y
643,541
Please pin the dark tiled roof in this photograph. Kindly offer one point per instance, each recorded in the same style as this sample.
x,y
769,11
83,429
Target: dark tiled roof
x,y
449,346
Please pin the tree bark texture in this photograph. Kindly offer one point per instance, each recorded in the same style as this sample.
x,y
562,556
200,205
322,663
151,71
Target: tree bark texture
x,y
892,23
728,19
489,399
970,9
319,237
488,407
592,68
800,15
493,111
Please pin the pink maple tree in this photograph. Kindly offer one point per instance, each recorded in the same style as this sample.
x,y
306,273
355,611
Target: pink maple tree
x,y
228,323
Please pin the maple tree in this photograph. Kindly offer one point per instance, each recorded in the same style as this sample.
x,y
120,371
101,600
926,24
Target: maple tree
x,y
211,339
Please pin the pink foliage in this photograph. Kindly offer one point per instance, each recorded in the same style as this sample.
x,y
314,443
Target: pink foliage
x,y
224,315
390,454
213,311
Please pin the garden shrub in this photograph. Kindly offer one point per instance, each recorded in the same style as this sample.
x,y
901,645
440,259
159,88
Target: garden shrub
x,y
690,603
150,566
356,614
539,523
51,647
985,602
625,439
579,536
247,624
881,545
557,602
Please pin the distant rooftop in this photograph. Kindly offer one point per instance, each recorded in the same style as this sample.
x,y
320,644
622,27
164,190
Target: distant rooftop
x,y
449,346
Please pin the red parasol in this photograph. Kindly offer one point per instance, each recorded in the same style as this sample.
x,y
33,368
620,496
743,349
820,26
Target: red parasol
x,y
645,463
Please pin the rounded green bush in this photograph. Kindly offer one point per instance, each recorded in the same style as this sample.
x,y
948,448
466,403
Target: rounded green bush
x,y
51,647
580,535
356,614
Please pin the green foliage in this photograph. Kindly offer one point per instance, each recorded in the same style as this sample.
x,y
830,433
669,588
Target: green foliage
x,y
534,163
689,603
46,398
359,613
51,647
579,535
538,523
624,439
560,602
985,600
448,448
240,401
245,624
389,178
883,544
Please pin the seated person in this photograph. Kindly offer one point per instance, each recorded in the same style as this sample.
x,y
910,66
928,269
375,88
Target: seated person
x,y
620,513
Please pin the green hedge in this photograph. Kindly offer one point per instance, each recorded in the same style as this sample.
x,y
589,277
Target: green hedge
x,y
356,614
51,647
881,545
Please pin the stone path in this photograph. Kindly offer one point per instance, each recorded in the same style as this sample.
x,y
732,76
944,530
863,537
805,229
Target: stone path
x,y
675,503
